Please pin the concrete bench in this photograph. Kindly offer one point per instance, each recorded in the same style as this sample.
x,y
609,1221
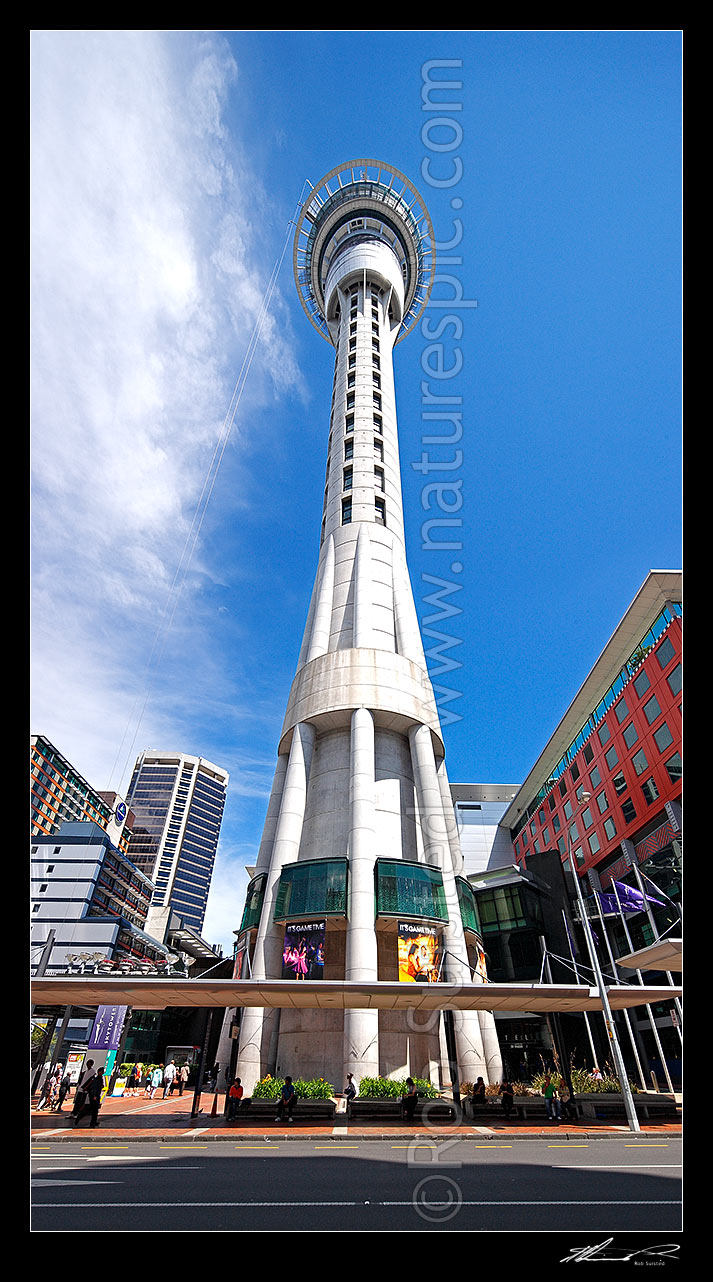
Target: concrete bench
x,y
392,1110
597,1105
648,1105
525,1107
259,1110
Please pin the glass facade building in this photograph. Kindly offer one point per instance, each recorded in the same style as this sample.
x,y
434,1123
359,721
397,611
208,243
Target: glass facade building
x,y
178,804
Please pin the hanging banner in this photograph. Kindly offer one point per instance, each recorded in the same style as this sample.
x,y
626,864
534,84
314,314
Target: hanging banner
x,y
303,950
481,965
240,966
107,1030
419,953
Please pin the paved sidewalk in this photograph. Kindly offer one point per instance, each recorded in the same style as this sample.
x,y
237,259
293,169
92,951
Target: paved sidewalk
x,y
170,1119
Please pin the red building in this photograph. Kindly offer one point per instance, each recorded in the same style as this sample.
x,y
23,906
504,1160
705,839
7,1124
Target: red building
x,y
606,793
619,742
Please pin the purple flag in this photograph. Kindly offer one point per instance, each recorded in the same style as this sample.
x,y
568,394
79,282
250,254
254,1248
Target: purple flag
x,y
630,900
608,903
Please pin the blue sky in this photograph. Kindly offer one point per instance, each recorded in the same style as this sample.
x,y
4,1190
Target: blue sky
x,y
175,535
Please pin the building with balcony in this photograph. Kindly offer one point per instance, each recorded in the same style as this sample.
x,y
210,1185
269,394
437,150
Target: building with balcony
x,y
59,794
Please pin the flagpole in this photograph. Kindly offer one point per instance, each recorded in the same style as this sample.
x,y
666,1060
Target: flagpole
x,y
576,971
635,869
640,978
601,986
625,1013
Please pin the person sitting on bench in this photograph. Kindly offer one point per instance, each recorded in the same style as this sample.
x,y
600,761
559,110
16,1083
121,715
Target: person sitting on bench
x,y
287,1100
410,1099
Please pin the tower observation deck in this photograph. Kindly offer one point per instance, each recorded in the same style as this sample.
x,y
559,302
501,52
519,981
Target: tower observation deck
x,y
360,856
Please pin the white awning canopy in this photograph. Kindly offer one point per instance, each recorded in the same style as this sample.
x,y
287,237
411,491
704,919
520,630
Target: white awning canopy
x,y
160,994
665,954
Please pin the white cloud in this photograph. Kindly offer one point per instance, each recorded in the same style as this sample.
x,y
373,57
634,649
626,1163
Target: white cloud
x,y
147,278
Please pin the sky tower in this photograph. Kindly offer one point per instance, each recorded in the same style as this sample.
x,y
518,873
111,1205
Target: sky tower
x,y
359,871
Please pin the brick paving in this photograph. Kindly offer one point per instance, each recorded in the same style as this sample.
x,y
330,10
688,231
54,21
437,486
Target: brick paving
x,y
139,1118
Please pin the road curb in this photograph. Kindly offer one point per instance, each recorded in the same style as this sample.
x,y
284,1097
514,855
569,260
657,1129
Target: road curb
x,y
271,1137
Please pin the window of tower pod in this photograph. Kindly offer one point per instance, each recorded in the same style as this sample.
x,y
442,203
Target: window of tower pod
x,y
380,511
346,511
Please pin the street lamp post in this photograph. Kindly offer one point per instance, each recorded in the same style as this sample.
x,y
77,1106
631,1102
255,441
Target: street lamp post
x,y
601,986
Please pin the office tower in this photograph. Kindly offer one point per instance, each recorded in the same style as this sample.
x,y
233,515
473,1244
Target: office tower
x,y
178,803
359,856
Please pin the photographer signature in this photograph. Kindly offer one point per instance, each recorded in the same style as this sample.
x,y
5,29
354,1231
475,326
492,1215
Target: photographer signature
x,y
600,1253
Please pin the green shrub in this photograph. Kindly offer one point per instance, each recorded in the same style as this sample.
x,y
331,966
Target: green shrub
x,y
393,1088
493,1088
583,1084
270,1088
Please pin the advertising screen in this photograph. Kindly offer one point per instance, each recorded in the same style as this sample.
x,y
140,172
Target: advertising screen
x,y
419,953
303,950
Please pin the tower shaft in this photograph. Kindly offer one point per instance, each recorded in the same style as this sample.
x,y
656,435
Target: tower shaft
x,y
360,837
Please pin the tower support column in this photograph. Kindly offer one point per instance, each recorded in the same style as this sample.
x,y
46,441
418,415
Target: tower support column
x,y
472,1061
361,1027
259,1027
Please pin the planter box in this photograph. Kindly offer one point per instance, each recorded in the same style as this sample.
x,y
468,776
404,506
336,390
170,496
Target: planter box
x,y
594,1105
601,1104
427,1110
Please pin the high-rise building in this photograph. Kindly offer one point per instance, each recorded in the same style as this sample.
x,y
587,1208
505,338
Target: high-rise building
x,y
59,794
178,804
359,872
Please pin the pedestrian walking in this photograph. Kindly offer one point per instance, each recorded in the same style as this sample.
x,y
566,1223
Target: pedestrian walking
x,y
287,1100
94,1086
155,1080
133,1082
169,1077
48,1096
350,1089
80,1095
183,1074
55,1083
64,1089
